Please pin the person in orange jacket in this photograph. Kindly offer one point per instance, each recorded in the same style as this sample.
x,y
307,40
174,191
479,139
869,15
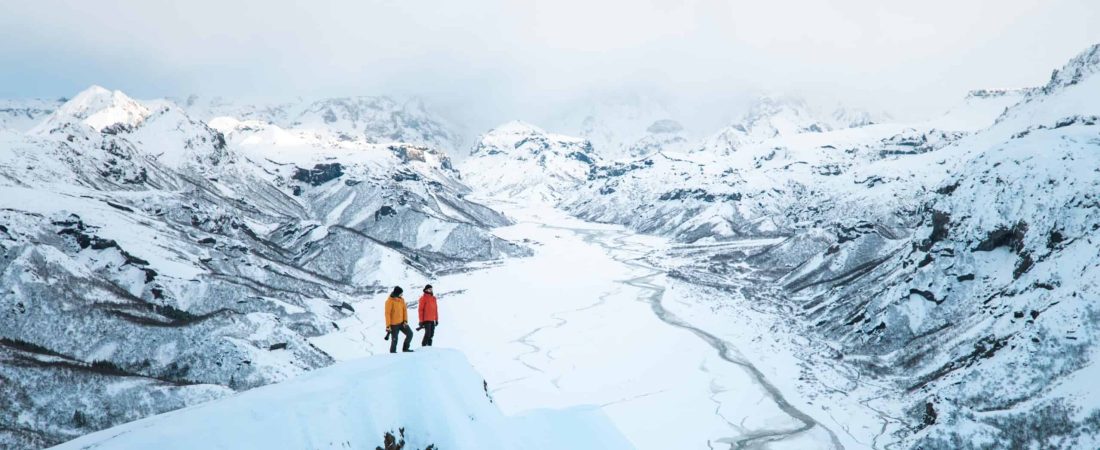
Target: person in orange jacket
x,y
429,316
397,320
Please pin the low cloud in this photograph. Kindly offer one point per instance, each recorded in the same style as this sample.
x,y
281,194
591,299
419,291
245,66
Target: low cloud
x,y
489,61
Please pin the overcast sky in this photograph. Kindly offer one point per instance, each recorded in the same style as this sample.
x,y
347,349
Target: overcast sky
x,y
498,60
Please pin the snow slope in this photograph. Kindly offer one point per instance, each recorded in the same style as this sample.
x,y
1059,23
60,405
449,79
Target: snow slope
x,y
430,398
150,260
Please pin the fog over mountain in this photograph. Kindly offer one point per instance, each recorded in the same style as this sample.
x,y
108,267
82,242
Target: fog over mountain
x,y
485,62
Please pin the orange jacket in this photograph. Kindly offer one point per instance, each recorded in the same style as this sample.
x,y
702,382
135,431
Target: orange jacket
x,y
427,309
395,311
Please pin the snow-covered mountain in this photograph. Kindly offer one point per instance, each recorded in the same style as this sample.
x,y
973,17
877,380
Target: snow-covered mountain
x,y
773,116
151,260
773,186
944,267
432,400
524,162
377,119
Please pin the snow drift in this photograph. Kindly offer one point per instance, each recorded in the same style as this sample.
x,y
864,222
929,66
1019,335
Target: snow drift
x,y
432,398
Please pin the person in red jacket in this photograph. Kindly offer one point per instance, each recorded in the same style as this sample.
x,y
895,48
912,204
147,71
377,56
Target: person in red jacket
x,y
429,315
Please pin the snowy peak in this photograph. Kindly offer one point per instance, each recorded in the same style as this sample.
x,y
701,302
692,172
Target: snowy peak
x,y
1081,66
379,120
98,108
177,140
772,116
523,140
373,119
854,118
520,159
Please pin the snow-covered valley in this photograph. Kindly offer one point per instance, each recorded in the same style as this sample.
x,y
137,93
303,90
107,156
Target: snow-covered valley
x,y
583,321
797,279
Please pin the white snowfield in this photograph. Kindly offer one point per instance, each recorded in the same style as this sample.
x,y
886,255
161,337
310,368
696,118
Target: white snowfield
x,y
433,395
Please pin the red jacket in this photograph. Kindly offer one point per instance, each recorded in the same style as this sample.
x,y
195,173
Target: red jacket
x,y
427,309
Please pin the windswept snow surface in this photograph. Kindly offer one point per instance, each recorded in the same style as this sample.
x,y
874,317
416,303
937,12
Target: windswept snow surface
x,y
435,397
582,322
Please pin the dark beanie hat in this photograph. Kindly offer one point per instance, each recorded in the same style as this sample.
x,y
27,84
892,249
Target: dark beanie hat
x,y
396,291
426,287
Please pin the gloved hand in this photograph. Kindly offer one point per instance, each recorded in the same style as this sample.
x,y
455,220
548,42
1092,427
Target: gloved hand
x,y
420,326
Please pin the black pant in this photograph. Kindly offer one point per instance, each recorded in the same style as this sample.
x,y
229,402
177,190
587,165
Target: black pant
x,y
394,330
429,333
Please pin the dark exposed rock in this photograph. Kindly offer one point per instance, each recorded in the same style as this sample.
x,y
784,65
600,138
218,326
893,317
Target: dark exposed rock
x,y
698,194
580,157
405,175
929,414
1004,237
845,233
120,207
384,211
1054,239
118,128
319,174
940,228
983,349
343,306
948,189
1023,265
928,295
966,277
278,346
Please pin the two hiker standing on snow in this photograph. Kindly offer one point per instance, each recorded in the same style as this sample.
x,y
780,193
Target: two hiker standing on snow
x,y
397,321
